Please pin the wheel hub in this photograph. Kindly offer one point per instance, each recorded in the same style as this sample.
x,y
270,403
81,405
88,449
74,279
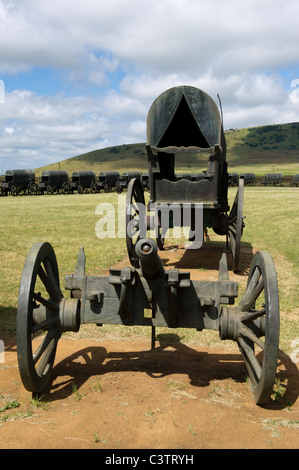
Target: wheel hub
x,y
69,314
232,322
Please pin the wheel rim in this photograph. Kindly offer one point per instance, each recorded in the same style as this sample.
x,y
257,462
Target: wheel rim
x,y
38,314
235,225
135,218
259,309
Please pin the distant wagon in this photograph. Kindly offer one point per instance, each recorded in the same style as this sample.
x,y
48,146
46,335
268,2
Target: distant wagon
x,y
106,181
18,182
183,176
295,181
273,179
197,176
249,179
233,179
53,182
124,180
1,181
82,181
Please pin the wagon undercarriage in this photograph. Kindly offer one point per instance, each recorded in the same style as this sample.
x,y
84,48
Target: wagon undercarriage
x,y
148,296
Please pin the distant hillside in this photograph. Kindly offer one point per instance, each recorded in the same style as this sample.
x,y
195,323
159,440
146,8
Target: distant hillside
x,y
265,147
261,150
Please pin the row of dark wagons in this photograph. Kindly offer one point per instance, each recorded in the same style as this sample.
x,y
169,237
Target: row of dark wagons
x,y
22,182
270,179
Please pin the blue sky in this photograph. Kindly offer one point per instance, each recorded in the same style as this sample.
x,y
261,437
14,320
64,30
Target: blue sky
x,y
79,76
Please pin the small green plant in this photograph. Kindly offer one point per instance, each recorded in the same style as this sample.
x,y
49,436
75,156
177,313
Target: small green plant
x,y
149,413
97,386
38,402
176,385
11,404
274,425
191,430
278,390
96,438
76,392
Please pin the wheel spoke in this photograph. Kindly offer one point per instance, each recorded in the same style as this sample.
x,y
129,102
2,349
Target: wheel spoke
x,y
250,316
47,303
232,219
48,279
232,241
46,358
51,334
248,333
44,324
232,229
54,280
252,361
251,293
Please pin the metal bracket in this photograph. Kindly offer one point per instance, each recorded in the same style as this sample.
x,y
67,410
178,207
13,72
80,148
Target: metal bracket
x,y
125,278
75,282
176,279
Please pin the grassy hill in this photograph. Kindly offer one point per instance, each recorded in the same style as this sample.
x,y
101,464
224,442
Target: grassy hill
x,y
264,149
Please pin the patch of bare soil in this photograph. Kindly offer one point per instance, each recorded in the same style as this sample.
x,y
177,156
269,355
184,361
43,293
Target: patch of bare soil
x,y
122,395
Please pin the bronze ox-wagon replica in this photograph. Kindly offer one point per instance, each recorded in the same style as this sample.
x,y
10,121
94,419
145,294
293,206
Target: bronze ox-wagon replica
x,y
185,121
145,293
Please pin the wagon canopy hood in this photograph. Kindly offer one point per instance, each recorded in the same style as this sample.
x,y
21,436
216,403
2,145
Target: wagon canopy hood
x,y
184,116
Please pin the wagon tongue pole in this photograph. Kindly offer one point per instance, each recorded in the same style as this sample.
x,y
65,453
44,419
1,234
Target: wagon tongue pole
x,y
150,265
150,262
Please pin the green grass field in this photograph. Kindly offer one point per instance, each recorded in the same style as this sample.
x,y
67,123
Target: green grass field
x,y
69,221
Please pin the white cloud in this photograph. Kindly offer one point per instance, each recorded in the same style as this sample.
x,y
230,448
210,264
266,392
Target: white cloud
x,y
161,35
233,48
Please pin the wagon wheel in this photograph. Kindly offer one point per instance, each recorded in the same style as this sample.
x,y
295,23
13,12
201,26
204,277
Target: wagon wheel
x,y
32,188
236,225
135,218
40,190
49,190
80,189
14,191
259,318
38,312
94,187
66,189
118,187
106,188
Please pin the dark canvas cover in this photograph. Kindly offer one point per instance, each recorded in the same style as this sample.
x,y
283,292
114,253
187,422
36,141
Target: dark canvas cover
x,y
184,116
